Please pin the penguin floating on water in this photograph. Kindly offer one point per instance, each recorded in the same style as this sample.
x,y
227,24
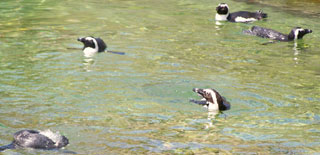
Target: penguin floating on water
x,y
94,45
46,140
211,100
295,33
240,16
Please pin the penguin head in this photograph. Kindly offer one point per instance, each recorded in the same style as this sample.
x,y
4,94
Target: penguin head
x,y
207,94
88,42
58,139
298,33
94,44
222,9
63,142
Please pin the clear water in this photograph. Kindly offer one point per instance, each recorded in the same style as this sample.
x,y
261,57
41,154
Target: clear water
x,y
138,103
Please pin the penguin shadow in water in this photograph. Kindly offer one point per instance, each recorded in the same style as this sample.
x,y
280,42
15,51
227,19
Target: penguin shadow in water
x,y
33,139
213,102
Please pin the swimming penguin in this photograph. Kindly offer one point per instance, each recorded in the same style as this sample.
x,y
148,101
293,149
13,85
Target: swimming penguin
x,y
37,140
295,33
92,45
211,100
240,16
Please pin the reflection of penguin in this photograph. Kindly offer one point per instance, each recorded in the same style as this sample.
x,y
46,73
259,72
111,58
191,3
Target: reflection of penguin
x,y
37,140
240,16
212,100
296,33
211,117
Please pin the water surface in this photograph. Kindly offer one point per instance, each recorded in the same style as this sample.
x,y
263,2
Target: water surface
x,y
138,103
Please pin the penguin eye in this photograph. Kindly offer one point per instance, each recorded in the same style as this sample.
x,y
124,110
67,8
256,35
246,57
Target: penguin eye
x,y
207,94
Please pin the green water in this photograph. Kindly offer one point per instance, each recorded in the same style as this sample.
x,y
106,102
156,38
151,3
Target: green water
x,y
138,103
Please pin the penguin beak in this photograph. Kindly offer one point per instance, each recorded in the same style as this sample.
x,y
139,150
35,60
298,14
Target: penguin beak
x,y
80,39
308,30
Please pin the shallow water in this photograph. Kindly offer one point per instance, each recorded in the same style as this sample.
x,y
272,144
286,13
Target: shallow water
x,y
138,102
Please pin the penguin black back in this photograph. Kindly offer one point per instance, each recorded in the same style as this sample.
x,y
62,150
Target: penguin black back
x,y
101,45
295,33
223,14
245,16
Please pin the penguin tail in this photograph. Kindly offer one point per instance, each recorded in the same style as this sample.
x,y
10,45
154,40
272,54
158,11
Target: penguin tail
x,y
261,14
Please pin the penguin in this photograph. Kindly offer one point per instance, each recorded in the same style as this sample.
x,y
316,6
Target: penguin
x,y
92,45
240,16
211,100
46,140
295,33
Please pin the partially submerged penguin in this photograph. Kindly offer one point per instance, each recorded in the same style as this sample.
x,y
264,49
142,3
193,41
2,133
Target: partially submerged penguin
x,y
94,45
211,100
46,140
240,16
295,33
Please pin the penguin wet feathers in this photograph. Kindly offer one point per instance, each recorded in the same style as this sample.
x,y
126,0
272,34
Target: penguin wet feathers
x,y
223,14
295,33
92,45
37,140
211,100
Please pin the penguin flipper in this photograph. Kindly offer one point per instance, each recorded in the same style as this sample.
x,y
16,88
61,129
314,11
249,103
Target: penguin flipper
x,y
9,146
198,102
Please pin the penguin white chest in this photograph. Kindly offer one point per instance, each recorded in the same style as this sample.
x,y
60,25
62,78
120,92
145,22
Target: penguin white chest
x,y
213,107
89,52
221,17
